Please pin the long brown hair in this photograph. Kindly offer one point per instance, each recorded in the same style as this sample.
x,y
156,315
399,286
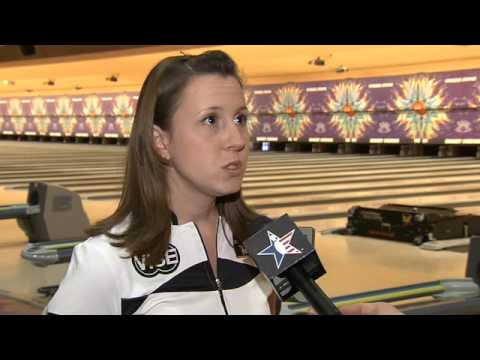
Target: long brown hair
x,y
144,194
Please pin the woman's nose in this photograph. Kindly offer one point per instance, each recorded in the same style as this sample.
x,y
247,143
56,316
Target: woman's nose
x,y
237,137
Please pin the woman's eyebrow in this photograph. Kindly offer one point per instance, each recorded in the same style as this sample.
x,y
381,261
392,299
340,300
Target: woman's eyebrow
x,y
210,109
241,108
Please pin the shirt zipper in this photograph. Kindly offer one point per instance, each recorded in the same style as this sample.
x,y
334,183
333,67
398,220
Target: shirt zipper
x,y
218,283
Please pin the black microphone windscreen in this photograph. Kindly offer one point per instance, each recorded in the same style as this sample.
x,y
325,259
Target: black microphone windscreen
x,y
257,224
277,246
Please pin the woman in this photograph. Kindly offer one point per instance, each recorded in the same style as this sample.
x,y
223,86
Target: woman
x,y
172,245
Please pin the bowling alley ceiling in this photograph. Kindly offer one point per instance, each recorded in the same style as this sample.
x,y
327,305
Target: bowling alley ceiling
x,y
75,69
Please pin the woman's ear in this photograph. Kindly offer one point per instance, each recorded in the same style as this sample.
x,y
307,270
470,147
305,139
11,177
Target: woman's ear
x,y
161,140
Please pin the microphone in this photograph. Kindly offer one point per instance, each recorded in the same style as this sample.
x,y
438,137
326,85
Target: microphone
x,y
281,250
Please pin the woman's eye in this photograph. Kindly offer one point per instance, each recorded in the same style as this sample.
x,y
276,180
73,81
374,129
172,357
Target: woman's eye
x,y
241,119
210,120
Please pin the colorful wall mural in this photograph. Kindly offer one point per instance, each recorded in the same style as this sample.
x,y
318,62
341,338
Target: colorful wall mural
x,y
418,108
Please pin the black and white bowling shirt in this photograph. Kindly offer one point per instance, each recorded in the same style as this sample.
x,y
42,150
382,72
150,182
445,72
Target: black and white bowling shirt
x,y
102,279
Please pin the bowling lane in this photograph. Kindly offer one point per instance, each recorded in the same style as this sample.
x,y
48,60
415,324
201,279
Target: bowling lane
x,y
250,190
311,190
307,190
358,170
316,189
20,181
273,181
340,205
302,163
335,195
356,264
329,179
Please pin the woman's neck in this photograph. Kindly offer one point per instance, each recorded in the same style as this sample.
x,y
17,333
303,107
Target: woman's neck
x,y
189,205
197,213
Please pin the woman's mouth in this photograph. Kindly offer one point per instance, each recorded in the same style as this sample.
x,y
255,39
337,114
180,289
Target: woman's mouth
x,y
234,167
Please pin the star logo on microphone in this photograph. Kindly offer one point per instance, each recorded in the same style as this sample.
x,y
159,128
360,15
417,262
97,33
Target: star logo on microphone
x,y
279,247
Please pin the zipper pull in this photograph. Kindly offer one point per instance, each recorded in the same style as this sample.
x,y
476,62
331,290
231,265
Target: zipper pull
x,y
219,283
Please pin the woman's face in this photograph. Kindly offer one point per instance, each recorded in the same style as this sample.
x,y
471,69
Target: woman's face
x,y
207,143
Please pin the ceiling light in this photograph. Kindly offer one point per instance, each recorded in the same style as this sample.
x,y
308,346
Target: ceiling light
x,y
8,82
113,78
341,69
27,50
318,61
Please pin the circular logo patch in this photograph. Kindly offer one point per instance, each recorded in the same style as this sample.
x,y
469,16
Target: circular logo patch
x,y
168,265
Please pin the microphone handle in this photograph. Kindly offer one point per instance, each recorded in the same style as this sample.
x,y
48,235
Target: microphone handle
x,y
312,292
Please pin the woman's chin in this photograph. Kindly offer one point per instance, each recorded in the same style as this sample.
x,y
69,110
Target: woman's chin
x,y
228,190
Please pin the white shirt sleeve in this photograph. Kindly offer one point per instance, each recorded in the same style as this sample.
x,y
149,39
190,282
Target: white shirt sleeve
x,y
90,286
